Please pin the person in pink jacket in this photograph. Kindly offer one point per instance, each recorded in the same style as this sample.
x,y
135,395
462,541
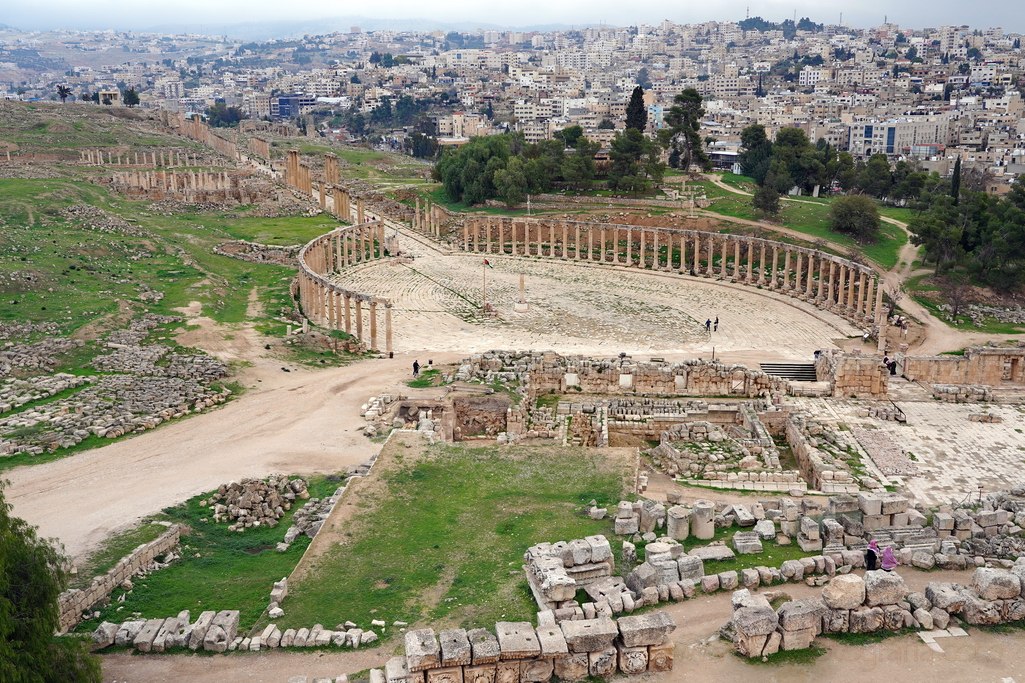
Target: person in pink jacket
x,y
889,559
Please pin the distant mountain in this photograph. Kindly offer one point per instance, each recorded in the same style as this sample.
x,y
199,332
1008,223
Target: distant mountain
x,y
267,30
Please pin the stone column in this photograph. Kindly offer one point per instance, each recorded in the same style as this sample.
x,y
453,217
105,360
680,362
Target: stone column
x,y
359,318
869,296
466,236
786,272
576,242
773,284
697,253
601,259
332,314
641,257
348,312
852,280
877,312
387,328
512,234
373,325
710,265
736,258
820,296
565,240
703,520
834,267
590,242
862,301
799,273
722,258
629,246
683,252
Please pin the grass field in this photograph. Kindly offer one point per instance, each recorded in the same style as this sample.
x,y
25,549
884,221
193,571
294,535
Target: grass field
x,y
808,217
445,538
219,569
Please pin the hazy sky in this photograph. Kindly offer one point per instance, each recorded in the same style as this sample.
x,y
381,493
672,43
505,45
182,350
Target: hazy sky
x,y
143,13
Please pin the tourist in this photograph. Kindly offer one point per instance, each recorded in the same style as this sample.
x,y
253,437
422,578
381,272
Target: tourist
x,y
893,367
708,325
416,368
889,559
716,328
871,554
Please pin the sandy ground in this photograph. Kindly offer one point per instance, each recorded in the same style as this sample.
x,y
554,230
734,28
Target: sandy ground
x,y
700,656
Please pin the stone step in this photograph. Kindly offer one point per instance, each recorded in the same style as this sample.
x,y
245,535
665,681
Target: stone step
x,y
801,372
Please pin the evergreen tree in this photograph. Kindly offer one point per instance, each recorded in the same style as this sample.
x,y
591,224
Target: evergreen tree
x,y
31,578
955,181
766,200
636,112
684,122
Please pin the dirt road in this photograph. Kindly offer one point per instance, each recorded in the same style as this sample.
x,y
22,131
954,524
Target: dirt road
x,y
298,422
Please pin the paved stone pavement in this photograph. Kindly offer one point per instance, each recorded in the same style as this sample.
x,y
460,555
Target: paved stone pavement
x,y
953,455
586,309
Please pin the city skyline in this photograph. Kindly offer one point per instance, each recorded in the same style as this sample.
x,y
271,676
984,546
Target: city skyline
x,y
126,15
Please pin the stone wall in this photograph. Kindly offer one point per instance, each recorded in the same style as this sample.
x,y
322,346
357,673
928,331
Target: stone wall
x,y
852,376
479,416
822,469
570,651
254,252
72,603
987,366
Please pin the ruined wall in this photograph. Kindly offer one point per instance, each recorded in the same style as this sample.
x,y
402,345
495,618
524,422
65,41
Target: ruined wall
x,y
852,376
72,603
479,416
980,365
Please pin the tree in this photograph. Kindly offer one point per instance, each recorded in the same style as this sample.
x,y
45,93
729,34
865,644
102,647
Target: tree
x,y
131,97
222,116
856,216
606,124
511,182
766,200
756,152
635,162
63,92
31,579
489,111
636,112
684,121
570,135
955,181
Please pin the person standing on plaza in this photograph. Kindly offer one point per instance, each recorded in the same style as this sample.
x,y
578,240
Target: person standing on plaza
x,y
416,368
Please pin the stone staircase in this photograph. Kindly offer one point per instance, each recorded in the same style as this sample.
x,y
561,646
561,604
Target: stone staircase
x,y
800,372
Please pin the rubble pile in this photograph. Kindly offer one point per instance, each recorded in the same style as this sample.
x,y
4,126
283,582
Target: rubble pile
x,y
255,502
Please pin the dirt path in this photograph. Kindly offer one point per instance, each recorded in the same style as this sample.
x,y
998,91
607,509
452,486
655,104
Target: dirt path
x,y
700,655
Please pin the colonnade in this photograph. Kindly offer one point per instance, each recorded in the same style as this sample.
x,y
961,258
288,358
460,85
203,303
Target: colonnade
x,y
330,305
426,218
831,282
163,157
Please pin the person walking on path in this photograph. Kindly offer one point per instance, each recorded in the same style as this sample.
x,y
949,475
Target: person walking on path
x,y
708,325
716,324
871,554
416,368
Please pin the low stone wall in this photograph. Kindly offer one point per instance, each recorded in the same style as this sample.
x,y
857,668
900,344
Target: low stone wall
x,y
555,571
880,601
819,469
72,603
852,376
254,252
570,651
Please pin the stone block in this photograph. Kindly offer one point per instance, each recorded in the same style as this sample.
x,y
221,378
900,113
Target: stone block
x,y
702,521
646,629
536,670
128,631
875,522
728,581
949,597
866,619
626,526
979,612
750,578
643,576
484,646
943,521
870,503
884,588
572,667
996,584
754,621
396,671
846,591
601,550
809,528
892,503
744,516
747,542
691,567
144,640
517,640
507,672
678,522
455,647
589,635
797,640
660,657
940,618
712,552
836,621
632,660
450,674
799,615
422,650
710,583
227,620
603,663
766,529
553,642
104,635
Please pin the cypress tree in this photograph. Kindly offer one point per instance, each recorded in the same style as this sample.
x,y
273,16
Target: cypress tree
x,y
636,112
955,182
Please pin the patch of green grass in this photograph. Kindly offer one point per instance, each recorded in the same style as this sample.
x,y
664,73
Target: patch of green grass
x,y
427,378
113,549
772,555
868,638
219,569
549,401
9,462
446,540
806,656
